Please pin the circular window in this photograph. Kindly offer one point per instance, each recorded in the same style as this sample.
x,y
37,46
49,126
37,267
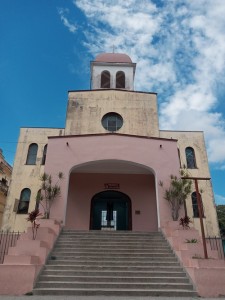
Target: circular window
x,y
112,121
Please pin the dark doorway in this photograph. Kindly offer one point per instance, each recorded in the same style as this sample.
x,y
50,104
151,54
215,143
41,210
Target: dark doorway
x,y
110,210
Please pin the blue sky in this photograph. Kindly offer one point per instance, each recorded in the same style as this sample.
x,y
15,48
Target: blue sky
x,y
179,47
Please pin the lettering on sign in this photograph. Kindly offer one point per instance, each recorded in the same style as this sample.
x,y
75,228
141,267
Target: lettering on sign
x,y
112,185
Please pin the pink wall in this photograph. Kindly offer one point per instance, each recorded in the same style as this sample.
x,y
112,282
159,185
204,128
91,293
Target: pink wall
x,y
146,152
140,189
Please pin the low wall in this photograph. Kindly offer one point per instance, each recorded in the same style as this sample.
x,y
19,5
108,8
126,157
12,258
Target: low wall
x,y
207,275
24,261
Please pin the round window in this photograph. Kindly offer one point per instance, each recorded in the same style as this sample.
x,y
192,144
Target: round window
x,y
112,121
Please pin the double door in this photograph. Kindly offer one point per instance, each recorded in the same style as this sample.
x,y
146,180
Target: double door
x,y
110,211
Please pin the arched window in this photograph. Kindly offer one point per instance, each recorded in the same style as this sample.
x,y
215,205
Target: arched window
x,y
44,155
32,154
105,80
190,157
195,205
120,80
24,201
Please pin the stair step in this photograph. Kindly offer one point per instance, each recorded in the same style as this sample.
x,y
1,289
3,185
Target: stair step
x,y
111,239
89,258
106,255
115,292
110,250
112,263
112,285
119,273
111,244
91,247
118,245
147,279
112,268
113,233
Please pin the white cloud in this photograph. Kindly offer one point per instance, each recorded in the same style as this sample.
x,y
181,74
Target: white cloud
x,y
179,48
62,12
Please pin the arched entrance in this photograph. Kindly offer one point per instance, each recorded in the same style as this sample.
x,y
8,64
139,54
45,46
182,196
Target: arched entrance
x,y
110,210
135,183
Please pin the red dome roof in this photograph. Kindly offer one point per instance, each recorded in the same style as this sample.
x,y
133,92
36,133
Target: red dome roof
x,y
113,57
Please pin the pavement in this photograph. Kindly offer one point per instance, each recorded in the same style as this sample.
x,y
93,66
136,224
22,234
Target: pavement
x,y
33,297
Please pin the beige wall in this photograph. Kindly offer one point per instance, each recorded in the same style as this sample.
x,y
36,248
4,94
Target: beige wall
x,y
26,176
196,141
5,174
86,109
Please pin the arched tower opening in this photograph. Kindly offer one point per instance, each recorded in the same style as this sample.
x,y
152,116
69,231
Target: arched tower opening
x,y
120,80
105,80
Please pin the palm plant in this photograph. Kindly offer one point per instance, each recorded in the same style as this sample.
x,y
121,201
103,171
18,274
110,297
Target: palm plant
x,y
177,193
48,192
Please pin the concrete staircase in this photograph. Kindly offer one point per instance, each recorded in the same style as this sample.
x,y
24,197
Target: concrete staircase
x,y
113,263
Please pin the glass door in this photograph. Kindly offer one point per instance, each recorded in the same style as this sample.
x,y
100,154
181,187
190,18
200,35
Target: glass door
x,y
110,211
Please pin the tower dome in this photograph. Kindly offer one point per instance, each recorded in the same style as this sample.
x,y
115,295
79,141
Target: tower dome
x,y
113,58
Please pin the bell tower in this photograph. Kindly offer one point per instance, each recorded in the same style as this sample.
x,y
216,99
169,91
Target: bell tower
x,y
112,71
112,105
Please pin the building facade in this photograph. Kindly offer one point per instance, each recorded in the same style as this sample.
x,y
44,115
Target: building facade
x,y
113,156
5,177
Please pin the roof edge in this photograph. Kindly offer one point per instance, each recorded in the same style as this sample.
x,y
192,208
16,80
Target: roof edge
x,y
121,90
108,134
38,127
182,130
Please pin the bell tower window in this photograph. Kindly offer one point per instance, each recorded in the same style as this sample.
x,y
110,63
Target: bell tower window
x,y
105,80
120,80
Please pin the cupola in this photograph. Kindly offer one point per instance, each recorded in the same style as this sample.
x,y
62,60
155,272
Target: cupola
x,y
112,71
